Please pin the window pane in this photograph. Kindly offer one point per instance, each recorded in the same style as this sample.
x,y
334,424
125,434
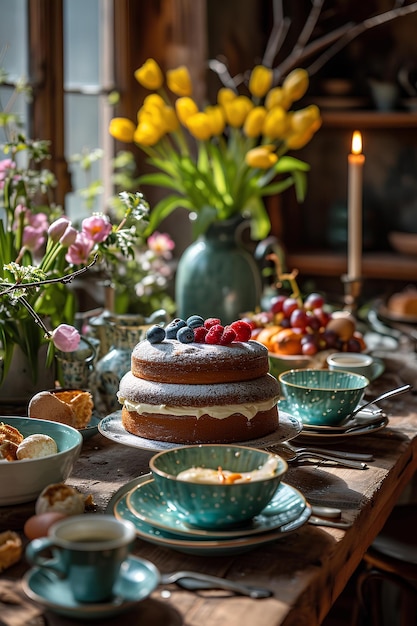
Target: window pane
x,y
14,38
82,133
81,43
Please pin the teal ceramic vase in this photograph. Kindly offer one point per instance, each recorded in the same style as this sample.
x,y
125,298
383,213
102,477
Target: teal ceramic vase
x,y
217,276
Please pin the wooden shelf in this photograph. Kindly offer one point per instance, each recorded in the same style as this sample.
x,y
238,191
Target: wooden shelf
x,y
376,265
368,119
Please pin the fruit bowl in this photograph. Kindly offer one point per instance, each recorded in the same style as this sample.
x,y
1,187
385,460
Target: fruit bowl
x,y
22,481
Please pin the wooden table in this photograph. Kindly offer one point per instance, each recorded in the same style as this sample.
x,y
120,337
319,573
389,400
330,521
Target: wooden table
x,y
306,571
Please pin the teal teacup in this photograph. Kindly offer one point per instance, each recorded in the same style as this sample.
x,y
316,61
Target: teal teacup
x,y
88,550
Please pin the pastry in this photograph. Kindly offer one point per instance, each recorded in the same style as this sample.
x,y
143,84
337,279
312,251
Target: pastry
x,y
10,549
36,446
73,407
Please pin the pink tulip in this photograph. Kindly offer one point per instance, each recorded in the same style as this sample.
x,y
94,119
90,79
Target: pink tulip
x,y
97,228
79,251
58,228
38,221
33,238
69,237
66,338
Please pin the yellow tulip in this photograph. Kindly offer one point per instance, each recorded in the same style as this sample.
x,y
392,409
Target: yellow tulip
x,y
225,94
276,123
261,157
185,108
122,129
237,110
170,118
296,84
153,100
199,126
149,75
217,120
146,134
260,80
304,119
298,140
179,81
254,122
277,97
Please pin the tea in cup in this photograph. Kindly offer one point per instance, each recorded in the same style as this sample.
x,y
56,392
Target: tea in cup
x,y
355,362
88,550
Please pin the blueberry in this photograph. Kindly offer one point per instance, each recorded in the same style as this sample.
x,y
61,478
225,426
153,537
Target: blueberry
x,y
173,327
195,321
185,335
155,334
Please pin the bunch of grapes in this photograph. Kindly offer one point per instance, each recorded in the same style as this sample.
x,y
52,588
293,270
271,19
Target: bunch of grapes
x,y
306,327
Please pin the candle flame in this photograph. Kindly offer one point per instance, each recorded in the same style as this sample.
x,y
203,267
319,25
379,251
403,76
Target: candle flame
x,y
356,142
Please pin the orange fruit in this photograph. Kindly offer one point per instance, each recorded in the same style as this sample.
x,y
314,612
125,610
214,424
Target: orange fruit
x,y
287,341
264,336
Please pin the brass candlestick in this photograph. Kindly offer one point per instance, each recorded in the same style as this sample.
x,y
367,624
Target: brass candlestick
x,y
353,289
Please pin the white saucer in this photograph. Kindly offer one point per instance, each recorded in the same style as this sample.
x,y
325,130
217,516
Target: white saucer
x,y
112,428
55,594
147,503
196,545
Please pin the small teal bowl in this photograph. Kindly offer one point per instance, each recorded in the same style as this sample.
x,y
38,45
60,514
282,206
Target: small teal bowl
x,y
216,505
322,397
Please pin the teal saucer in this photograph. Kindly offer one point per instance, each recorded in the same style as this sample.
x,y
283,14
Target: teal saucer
x,y
55,594
147,503
197,545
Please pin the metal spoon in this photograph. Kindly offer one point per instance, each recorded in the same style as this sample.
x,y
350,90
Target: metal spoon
x,y
290,454
387,394
198,580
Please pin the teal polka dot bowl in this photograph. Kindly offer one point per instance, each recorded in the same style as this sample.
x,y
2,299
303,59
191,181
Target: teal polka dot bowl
x,y
217,504
322,397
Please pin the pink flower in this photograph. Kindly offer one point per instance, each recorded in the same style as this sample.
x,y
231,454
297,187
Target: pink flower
x,y
6,165
97,228
66,338
161,244
33,238
38,221
58,228
69,237
79,251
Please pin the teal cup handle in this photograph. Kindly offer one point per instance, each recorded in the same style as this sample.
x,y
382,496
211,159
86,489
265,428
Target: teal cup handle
x,y
34,552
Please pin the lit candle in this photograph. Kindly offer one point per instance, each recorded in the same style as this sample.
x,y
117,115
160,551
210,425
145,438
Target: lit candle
x,y
355,160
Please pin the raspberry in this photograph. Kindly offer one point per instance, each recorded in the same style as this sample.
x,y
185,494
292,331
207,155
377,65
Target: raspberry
x,y
211,321
185,335
228,336
155,334
200,334
214,334
194,321
242,329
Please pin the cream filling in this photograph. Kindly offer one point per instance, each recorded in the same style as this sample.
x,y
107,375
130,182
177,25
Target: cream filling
x,y
218,412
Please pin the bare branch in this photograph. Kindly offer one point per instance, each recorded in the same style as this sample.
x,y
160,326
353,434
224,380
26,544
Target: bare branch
x,y
359,29
279,31
49,281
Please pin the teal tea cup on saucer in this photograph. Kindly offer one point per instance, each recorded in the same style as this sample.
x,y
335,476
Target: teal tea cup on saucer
x,y
322,397
88,550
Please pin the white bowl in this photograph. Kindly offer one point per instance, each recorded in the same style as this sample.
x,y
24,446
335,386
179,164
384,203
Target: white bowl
x,y
22,481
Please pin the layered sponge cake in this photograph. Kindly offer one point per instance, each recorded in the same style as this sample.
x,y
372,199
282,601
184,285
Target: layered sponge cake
x,y
198,391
